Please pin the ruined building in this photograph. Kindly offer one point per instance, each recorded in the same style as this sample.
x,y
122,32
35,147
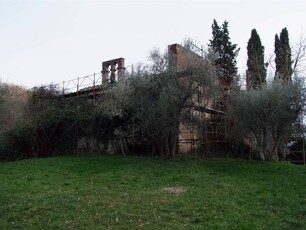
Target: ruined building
x,y
112,71
210,137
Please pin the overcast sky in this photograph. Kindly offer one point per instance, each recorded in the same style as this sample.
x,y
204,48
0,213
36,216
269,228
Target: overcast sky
x,y
50,41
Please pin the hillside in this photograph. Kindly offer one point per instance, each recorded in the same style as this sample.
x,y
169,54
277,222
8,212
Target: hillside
x,y
133,192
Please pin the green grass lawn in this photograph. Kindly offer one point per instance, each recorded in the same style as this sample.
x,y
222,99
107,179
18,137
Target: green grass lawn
x,y
109,192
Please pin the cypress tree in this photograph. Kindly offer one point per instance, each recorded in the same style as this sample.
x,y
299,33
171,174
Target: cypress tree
x,y
256,72
224,51
283,62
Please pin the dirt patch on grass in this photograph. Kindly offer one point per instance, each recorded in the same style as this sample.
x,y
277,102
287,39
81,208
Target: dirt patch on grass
x,y
174,190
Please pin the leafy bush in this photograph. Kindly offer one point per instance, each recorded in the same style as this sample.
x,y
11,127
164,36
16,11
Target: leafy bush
x,y
18,142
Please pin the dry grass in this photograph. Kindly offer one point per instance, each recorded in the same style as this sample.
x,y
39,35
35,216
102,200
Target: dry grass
x,y
175,190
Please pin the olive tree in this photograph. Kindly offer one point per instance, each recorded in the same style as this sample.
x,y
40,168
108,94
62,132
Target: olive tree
x,y
266,116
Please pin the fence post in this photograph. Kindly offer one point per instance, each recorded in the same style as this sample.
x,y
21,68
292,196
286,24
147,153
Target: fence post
x,y
63,89
94,86
78,86
102,79
304,162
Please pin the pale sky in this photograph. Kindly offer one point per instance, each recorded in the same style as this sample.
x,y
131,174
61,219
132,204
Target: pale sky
x,y
43,42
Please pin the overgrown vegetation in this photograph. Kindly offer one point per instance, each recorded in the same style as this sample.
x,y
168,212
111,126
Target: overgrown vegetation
x,y
153,103
143,114
55,126
134,192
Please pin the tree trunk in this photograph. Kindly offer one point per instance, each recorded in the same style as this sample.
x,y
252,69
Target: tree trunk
x,y
160,149
264,140
122,147
173,146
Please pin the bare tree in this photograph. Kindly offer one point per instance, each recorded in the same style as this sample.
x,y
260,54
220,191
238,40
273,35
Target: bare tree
x,y
299,56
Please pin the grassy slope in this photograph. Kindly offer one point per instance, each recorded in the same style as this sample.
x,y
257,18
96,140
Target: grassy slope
x,y
129,193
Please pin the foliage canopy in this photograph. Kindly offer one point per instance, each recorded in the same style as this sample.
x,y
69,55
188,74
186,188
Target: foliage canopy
x,y
224,51
256,72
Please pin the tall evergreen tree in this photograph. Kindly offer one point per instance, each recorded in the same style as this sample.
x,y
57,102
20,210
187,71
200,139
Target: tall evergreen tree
x,y
256,73
283,61
224,51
